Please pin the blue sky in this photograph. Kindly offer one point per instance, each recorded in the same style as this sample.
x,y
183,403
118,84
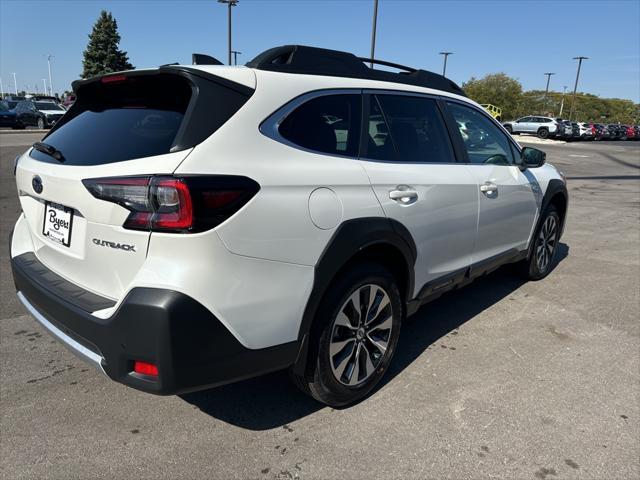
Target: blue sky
x,y
521,38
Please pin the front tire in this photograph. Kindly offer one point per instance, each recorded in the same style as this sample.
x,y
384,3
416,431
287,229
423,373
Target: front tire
x,y
543,252
354,336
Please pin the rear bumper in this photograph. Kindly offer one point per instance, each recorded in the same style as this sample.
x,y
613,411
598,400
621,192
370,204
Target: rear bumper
x,y
191,347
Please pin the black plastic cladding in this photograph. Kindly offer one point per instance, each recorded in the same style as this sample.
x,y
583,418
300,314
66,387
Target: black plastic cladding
x,y
320,61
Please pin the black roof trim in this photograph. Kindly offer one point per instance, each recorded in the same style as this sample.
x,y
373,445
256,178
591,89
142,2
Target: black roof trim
x,y
320,61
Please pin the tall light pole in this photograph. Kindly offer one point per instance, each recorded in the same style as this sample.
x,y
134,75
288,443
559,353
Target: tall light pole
x,y
230,3
575,87
49,57
15,84
1,90
546,92
373,31
44,81
444,68
564,90
235,56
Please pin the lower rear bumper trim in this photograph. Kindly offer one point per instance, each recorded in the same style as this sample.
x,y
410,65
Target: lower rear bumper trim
x,y
76,348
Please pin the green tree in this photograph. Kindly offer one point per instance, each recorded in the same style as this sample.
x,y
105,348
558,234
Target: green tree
x,y
497,89
102,54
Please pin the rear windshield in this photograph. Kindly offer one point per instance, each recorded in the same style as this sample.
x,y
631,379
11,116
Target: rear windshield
x,y
117,121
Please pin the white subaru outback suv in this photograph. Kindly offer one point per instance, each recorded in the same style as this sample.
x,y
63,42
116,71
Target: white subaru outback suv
x,y
187,226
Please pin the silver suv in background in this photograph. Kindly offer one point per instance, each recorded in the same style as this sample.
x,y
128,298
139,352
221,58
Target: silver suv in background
x,y
543,127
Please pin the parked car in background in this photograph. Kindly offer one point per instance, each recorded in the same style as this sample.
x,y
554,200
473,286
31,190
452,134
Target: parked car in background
x,y
7,116
586,130
495,112
543,127
564,130
52,112
43,98
602,132
27,115
636,132
575,131
615,132
629,132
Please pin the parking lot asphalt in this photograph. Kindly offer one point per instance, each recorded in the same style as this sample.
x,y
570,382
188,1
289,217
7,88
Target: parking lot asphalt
x,y
502,379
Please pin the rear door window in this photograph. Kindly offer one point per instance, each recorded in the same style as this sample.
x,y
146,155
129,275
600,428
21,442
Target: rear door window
x,y
327,124
407,129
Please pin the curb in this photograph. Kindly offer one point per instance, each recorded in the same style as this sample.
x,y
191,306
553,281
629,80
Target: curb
x,y
10,131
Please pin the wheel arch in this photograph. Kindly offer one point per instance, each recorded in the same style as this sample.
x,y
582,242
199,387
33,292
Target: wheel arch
x,y
556,195
378,239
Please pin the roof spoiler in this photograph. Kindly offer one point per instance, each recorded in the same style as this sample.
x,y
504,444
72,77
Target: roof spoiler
x,y
202,59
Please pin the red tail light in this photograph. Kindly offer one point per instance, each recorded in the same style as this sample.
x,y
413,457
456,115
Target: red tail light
x,y
144,368
172,204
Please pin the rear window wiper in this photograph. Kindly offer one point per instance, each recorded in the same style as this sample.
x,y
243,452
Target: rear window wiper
x,y
49,150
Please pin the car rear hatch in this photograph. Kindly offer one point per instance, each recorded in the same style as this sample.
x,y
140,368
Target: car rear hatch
x,y
80,188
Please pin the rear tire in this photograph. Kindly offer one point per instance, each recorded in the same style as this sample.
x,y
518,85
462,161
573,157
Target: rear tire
x,y
544,248
509,129
353,337
40,123
543,133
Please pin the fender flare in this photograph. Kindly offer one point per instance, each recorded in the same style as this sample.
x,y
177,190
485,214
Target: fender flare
x,y
351,237
554,187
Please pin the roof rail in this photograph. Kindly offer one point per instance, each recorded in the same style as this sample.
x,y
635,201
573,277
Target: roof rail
x,y
202,59
320,61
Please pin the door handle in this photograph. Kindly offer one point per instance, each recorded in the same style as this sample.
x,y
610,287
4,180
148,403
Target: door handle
x,y
403,195
489,189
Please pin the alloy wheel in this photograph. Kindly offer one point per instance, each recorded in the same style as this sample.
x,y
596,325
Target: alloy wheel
x,y
360,335
546,243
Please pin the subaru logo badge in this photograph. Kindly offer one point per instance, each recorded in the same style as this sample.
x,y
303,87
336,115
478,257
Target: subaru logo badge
x,y
36,183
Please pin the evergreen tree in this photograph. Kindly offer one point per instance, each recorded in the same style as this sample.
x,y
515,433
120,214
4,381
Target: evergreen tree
x,y
102,54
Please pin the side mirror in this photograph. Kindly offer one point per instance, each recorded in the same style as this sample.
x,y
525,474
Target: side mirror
x,y
532,158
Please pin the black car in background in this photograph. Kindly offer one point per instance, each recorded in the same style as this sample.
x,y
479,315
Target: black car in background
x,y
7,116
28,115
38,114
615,132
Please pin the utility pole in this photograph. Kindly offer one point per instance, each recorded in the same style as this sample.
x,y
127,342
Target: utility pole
x,y
15,84
444,68
1,90
575,87
564,90
49,57
235,56
44,81
230,3
373,31
546,92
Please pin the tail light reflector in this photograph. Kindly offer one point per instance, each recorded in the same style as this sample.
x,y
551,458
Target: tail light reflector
x,y
145,368
175,204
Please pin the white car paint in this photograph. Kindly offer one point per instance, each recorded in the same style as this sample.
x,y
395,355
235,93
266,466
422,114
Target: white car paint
x,y
255,271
